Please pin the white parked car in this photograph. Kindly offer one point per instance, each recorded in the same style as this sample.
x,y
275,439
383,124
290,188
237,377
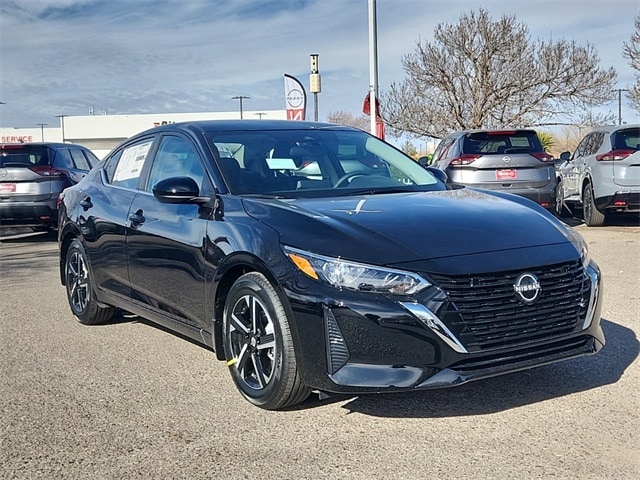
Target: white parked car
x,y
603,174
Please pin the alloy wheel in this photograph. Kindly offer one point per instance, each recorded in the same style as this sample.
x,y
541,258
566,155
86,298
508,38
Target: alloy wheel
x,y
77,282
252,342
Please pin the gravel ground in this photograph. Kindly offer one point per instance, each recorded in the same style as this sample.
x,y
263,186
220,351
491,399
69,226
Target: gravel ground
x,y
129,400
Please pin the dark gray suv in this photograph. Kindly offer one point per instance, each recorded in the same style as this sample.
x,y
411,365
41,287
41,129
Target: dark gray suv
x,y
32,175
512,161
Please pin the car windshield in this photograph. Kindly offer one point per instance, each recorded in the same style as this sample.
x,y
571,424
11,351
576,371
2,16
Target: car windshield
x,y
319,162
20,155
501,142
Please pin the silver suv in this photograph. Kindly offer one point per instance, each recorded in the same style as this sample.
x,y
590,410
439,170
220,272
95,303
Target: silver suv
x,y
603,174
32,175
512,161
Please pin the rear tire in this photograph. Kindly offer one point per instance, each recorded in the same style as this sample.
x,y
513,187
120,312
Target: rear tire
x,y
80,289
258,345
592,216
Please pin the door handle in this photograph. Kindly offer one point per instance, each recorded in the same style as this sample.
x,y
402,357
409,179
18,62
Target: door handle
x,y
86,203
136,219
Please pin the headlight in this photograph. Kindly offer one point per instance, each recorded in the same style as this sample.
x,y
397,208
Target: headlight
x,y
356,276
578,242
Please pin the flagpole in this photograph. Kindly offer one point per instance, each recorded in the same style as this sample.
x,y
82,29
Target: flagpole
x,y
373,64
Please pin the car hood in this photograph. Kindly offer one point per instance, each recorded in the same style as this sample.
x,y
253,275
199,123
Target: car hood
x,y
397,228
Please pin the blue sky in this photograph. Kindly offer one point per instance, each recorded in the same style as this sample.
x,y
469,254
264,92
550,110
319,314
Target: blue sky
x,y
160,56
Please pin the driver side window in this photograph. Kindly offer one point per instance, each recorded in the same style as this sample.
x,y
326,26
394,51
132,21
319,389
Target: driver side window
x,y
175,158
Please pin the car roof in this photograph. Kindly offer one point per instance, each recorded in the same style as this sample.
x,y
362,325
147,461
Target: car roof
x,y
245,125
41,144
496,130
613,128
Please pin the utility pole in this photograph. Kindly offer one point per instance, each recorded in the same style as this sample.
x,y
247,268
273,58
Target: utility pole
x,y
240,97
61,117
42,129
620,90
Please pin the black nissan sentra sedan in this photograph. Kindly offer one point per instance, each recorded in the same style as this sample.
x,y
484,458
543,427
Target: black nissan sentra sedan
x,y
316,257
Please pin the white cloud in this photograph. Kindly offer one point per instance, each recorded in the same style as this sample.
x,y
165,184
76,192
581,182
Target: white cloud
x,y
65,56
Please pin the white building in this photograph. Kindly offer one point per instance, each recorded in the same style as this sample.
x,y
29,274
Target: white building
x,y
101,133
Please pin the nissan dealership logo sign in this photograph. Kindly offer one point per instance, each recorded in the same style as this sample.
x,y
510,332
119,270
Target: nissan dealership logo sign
x,y
295,98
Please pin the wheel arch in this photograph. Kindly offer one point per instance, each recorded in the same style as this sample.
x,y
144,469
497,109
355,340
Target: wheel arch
x,y
586,180
65,238
233,268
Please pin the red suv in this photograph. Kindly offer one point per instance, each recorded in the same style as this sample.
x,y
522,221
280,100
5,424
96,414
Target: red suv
x,y
32,175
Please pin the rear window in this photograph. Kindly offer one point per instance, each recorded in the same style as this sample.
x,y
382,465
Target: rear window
x,y
24,156
486,143
627,139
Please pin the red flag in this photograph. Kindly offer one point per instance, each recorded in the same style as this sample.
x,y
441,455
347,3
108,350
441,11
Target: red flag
x,y
366,109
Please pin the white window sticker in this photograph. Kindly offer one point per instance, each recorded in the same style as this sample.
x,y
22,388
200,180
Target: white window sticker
x,y
131,162
519,141
281,164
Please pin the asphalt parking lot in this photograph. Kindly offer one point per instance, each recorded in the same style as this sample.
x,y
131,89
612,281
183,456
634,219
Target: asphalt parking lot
x,y
128,400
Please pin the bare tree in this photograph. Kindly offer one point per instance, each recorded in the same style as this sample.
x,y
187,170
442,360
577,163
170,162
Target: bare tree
x,y
410,149
631,51
482,73
342,117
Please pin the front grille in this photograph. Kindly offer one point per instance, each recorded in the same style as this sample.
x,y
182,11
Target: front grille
x,y
484,313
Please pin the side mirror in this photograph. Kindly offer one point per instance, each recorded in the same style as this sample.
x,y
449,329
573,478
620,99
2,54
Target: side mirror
x,y
426,160
178,190
439,174
564,156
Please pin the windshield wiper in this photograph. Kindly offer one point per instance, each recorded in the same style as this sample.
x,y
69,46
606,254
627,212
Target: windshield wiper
x,y
378,190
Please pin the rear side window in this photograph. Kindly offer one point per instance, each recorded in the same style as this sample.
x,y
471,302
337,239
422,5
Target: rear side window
x,y
80,160
24,156
124,168
589,145
63,158
444,149
486,143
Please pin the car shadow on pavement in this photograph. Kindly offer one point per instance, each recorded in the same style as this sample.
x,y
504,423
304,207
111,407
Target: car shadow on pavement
x,y
508,391
29,237
612,220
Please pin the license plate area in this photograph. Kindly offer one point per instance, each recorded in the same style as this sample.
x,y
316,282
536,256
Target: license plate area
x,y
7,187
506,174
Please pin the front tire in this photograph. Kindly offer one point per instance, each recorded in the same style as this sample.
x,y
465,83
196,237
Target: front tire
x,y
80,290
560,209
592,216
258,345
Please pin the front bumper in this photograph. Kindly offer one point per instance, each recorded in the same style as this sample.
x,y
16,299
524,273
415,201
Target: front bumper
x,y
354,344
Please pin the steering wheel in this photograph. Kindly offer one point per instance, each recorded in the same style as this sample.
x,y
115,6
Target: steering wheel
x,y
346,178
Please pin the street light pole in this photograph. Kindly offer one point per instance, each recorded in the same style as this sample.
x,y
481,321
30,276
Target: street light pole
x,y
240,97
373,64
42,130
620,90
61,117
